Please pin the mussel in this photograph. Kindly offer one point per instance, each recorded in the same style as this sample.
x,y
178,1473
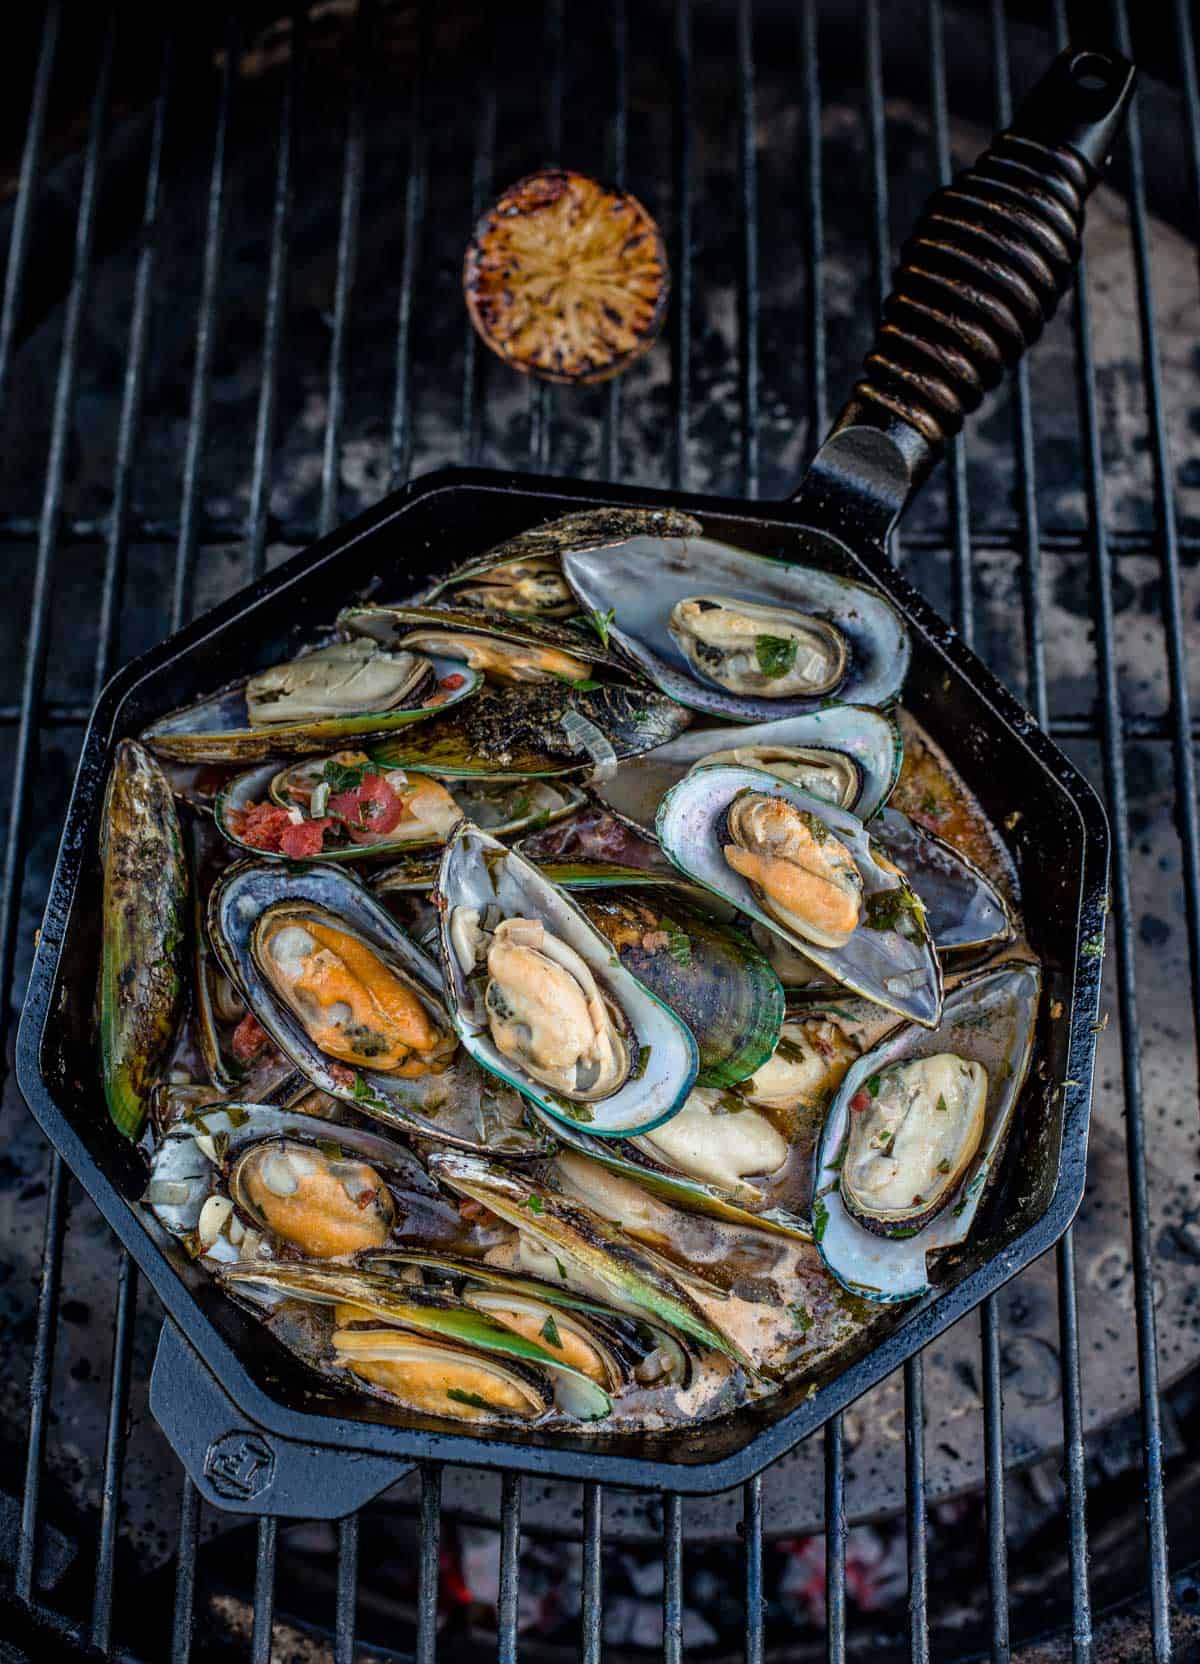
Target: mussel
x,y
145,917
741,635
523,576
963,906
347,690
847,754
808,872
356,1005
915,1131
502,649
539,999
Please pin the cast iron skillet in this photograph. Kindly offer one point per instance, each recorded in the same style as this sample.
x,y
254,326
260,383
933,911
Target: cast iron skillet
x,y
982,272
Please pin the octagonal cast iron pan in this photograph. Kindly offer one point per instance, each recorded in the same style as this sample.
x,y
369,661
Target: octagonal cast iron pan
x,y
984,269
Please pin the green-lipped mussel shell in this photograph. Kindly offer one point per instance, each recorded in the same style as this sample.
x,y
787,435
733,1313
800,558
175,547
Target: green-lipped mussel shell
x,y
963,907
866,740
518,808
894,967
709,974
989,1018
437,1315
218,729
394,626
479,878
145,920
596,528
459,1106
511,732
602,1255
642,580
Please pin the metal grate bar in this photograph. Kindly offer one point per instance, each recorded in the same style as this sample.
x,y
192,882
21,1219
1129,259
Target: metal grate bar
x,y
591,1640
510,1569
183,1622
752,1554
347,260
914,1485
347,1591
18,246
541,392
1114,779
881,239
1167,522
993,1446
810,73
114,1452
277,285
748,374
1072,1396
835,1541
210,283
135,382
264,1591
39,1382
672,1578
611,441
414,213
681,331
427,1570
1191,91
471,415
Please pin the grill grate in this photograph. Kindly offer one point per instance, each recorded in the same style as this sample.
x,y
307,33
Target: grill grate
x,y
1099,542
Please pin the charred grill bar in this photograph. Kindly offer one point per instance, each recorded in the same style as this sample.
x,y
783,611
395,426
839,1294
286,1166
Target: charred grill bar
x,y
185,536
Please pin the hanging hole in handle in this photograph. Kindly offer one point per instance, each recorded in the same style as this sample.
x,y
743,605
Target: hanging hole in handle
x,y
1091,71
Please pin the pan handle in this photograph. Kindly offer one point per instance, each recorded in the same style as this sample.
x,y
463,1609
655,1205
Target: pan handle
x,y
986,265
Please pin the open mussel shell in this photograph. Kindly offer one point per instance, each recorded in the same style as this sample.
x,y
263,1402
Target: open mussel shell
x,y
644,1351
523,576
500,649
988,1019
372,1307
193,1163
850,754
145,922
414,877
647,1055
641,581
709,974
963,908
732,1200
221,729
450,1099
537,731
558,1237
508,808
896,970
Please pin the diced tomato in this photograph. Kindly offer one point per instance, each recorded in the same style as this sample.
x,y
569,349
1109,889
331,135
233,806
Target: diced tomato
x,y
860,1101
452,683
368,810
261,825
306,839
250,1039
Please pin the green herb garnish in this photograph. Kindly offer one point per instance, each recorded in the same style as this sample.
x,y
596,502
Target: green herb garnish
x,y
899,910
873,1086
1093,948
775,655
562,1270
940,1106
342,778
534,1204
943,1166
820,1220
581,684
600,622
550,1334
801,1317
680,947
460,1396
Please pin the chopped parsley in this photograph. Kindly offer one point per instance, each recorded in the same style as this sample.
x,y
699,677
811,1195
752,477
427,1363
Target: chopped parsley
x,y
801,1317
562,1270
943,1166
940,1106
820,1220
580,684
550,1334
679,945
775,655
897,910
461,1396
534,1204
873,1086
340,778
1093,947
600,622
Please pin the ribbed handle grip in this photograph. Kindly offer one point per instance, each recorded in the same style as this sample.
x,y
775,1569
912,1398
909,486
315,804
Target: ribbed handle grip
x,y
989,260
